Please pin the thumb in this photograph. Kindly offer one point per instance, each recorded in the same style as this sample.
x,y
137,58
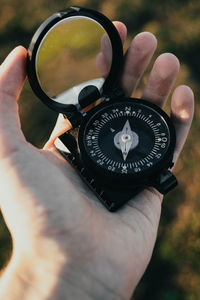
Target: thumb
x,y
12,77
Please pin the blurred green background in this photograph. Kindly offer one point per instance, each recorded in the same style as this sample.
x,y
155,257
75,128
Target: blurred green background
x,y
174,271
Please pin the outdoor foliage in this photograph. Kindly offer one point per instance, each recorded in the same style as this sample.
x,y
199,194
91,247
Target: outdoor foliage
x,y
173,273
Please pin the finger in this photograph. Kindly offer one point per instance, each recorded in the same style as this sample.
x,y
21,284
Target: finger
x,y
12,77
161,79
62,125
104,58
182,110
137,59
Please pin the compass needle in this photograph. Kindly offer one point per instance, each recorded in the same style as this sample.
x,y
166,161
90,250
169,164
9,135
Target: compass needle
x,y
126,140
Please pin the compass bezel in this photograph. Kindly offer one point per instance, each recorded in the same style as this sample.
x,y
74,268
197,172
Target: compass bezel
x,y
143,176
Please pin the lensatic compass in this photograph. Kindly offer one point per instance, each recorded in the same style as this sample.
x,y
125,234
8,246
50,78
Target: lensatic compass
x,y
124,145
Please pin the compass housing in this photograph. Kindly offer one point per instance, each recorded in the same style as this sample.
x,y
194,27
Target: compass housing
x,y
125,152
137,175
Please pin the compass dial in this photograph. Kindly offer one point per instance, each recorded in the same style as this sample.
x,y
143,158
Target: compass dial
x,y
127,137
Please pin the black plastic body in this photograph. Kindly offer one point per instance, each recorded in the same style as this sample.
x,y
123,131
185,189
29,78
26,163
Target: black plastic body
x,y
113,190
112,194
146,177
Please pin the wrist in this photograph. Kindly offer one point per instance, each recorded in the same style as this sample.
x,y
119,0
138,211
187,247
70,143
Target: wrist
x,y
32,273
48,273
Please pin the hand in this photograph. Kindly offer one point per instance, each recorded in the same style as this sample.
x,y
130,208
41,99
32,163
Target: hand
x,y
66,245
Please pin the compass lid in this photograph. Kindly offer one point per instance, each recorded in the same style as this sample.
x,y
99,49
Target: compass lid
x,y
66,68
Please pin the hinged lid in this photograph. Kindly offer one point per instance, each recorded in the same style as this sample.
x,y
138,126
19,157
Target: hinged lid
x,y
66,68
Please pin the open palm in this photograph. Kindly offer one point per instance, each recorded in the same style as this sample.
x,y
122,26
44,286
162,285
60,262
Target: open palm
x,y
66,244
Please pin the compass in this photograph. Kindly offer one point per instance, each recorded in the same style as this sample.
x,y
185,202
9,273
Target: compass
x,y
125,140
124,145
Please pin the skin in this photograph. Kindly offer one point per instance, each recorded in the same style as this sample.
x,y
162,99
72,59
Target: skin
x,y
66,245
